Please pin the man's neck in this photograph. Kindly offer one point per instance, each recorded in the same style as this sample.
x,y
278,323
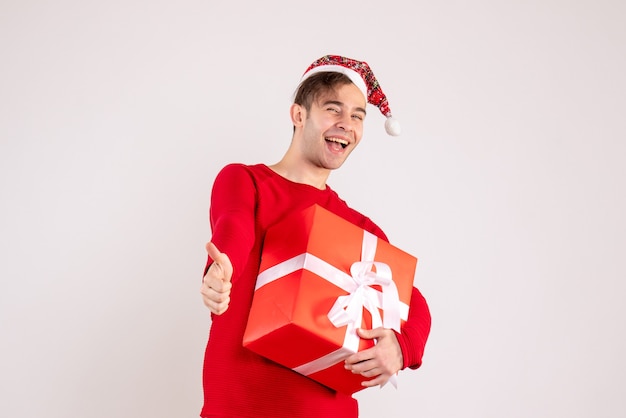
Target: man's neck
x,y
313,176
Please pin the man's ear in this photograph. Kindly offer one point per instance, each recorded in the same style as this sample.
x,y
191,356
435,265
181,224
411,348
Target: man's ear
x,y
298,114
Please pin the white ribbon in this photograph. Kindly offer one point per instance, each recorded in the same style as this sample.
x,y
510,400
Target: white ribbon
x,y
348,309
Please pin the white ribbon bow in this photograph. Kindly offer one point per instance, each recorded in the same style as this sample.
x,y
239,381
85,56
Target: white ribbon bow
x,y
349,308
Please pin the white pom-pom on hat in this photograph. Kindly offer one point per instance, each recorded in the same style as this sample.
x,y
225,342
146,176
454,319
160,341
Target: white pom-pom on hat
x,y
392,126
362,76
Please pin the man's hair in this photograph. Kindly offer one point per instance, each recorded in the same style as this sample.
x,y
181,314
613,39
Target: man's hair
x,y
318,84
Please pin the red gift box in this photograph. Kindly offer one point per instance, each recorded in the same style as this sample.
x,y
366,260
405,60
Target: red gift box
x,y
322,277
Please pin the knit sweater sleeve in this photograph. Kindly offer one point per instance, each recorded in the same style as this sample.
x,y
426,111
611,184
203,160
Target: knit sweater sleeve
x,y
415,331
232,215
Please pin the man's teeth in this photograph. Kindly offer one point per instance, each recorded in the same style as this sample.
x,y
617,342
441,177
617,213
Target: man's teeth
x,y
343,142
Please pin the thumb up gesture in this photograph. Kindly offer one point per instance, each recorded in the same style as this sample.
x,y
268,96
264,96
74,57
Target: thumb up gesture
x,y
216,284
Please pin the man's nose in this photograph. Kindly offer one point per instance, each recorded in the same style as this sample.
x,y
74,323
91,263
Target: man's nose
x,y
346,122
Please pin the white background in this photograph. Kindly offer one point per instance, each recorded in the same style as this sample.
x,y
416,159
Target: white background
x,y
508,184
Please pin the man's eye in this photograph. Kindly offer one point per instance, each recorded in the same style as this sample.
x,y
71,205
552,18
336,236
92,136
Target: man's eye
x,y
359,117
332,109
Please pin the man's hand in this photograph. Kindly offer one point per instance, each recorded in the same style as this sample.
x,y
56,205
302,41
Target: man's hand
x,y
216,284
383,360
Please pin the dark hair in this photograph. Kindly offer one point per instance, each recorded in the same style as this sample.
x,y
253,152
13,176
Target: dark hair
x,y
319,83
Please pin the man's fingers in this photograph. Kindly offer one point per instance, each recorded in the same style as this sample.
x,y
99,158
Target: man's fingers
x,y
216,288
214,307
380,380
372,371
217,301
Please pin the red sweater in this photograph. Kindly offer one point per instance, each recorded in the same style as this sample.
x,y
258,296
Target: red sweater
x,y
245,201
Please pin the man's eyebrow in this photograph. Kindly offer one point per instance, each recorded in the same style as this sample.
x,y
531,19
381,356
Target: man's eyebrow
x,y
341,104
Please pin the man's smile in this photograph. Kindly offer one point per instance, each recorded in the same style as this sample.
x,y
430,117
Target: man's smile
x,y
339,141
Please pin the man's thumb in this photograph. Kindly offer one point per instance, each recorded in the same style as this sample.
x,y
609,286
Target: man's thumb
x,y
221,261
366,334
212,250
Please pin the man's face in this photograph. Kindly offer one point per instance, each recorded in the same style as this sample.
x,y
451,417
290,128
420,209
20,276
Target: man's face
x,y
333,126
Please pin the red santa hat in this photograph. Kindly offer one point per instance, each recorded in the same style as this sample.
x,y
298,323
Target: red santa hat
x,y
362,76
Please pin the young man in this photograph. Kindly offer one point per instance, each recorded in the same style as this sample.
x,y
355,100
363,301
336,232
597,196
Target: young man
x,y
327,115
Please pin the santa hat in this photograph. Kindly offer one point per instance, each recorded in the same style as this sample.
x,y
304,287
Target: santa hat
x,y
362,76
